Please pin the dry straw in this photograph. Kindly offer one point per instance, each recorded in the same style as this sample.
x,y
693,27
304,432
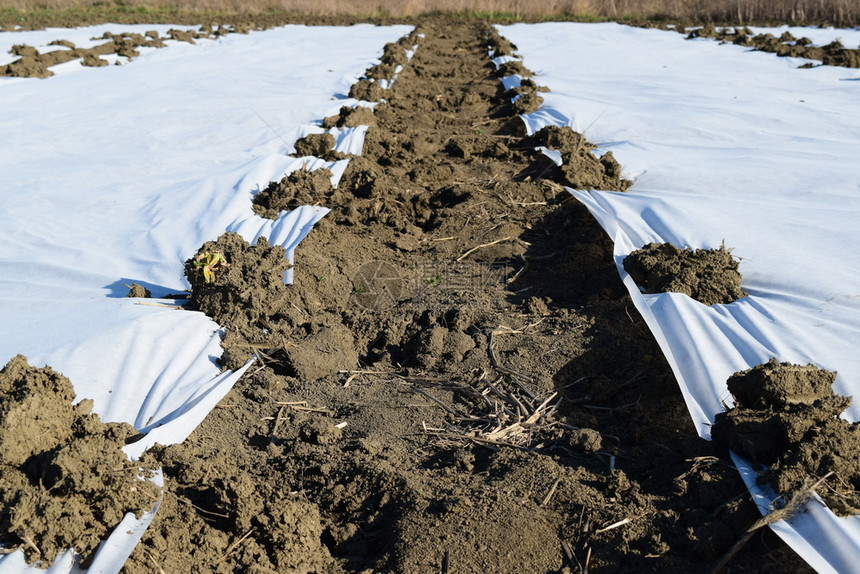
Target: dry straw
x,y
837,12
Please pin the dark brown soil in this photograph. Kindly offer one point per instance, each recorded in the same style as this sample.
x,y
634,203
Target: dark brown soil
x,y
832,54
367,90
787,416
709,276
245,290
456,381
350,118
580,169
33,64
300,187
64,480
318,145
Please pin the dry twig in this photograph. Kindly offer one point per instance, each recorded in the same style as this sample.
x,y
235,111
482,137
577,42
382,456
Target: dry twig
x,y
25,537
232,548
613,526
302,406
153,304
497,416
503,330
549,494
795,503
158,567
481,246
278,420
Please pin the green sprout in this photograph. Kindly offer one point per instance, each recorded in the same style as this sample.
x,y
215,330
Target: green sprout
x,y
358,289
209,263
433,280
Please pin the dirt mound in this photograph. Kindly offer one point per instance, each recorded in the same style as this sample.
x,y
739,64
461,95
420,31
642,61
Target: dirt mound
x,y
367,90
300,187
787,416
350,118
212,498
832,54
394,54
135,290
244,292
499,45
64,480
454,380
235,283
527,86
318,145
365,179
33,64
709,276
527,103
581,169
514,68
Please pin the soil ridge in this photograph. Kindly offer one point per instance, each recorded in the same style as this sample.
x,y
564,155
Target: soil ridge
x,y
455,356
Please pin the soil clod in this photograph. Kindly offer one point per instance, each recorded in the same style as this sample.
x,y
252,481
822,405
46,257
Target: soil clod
x,y
787,417
455,356
350,118
709,276
64,480
301,187
832,54
247,288
318,145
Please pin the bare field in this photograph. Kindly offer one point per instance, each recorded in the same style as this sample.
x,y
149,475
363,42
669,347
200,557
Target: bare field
x,y
832,12
554,439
